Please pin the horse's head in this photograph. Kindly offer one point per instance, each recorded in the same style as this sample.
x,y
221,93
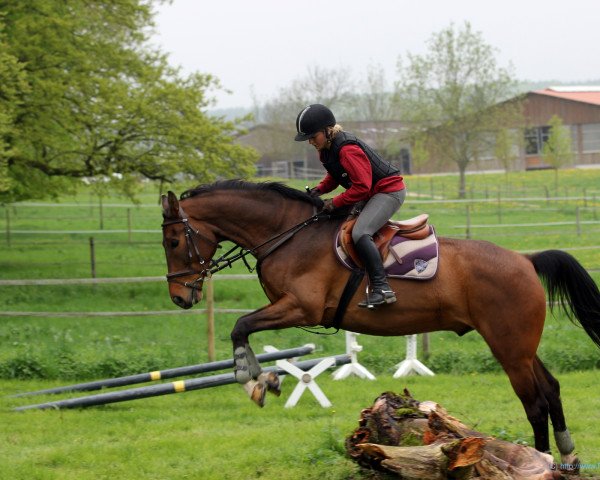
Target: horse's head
x,y
189,252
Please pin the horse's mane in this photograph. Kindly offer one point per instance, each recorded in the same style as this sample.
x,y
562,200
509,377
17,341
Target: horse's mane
x,y
282,189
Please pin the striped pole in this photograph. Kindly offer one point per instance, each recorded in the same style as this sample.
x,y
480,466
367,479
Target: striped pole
x,y
170,373
167,388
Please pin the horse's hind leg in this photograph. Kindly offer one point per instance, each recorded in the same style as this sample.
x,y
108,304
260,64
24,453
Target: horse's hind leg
x,y
518,362
527,388
551,390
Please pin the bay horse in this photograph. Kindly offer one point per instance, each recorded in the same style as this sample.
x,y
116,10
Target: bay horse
x,y
479,286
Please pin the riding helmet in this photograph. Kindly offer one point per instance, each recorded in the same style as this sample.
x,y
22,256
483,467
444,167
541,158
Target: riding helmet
x,y
312,119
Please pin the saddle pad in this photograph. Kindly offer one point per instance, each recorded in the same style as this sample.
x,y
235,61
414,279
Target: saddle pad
x,y
412,259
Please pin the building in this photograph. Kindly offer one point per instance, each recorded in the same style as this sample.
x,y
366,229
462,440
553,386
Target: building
x,y
577,107
281,156
579,110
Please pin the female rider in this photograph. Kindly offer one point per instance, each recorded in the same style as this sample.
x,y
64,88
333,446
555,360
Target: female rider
x,y
355,166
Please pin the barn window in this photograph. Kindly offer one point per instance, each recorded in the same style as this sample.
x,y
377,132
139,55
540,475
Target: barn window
x,y
535,138
591,137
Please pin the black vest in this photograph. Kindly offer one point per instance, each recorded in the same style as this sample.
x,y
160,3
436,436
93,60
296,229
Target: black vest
x,y
331,160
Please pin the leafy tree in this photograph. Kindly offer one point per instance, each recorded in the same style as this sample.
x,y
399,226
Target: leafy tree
x,y
505,147
329,86
449,95
12,87
557,151
376,100
100,100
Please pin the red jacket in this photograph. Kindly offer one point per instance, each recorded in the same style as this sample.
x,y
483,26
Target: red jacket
x,y
357,165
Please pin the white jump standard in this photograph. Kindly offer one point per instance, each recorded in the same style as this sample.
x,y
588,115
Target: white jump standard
x,y
411,364
354,367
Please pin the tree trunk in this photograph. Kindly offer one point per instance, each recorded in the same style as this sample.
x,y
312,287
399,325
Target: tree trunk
x,y
419,440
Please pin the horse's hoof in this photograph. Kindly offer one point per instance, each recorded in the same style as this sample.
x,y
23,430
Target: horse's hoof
x,y
271,380
570,464
256,391
258,394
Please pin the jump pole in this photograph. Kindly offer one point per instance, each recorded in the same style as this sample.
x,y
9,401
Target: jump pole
x,y
170,373
169,388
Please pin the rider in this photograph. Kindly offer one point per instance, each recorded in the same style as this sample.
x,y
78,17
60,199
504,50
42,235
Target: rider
x,y
355,166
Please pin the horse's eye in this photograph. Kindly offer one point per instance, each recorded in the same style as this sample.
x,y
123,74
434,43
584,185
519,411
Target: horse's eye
x,y
174,243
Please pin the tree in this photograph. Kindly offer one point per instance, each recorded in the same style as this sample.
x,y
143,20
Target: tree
x,y
376,100
12,87
329,86
506,147
450,96
100,100
557,150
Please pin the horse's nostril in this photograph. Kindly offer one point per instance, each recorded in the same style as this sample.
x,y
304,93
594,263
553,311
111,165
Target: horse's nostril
x,y
180,302
177,300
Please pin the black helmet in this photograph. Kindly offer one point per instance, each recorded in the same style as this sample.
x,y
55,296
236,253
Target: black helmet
x,y
312,119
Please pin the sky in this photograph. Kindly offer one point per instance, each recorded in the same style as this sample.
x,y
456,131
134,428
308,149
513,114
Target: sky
x,y
257,47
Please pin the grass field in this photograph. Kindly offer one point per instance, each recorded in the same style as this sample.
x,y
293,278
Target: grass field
x,y
221,435
203,435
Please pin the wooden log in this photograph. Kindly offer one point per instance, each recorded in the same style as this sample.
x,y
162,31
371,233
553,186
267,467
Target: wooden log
x,y
420,440
430,462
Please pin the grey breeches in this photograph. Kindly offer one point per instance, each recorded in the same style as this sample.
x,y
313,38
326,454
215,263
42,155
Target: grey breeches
x,y
378,210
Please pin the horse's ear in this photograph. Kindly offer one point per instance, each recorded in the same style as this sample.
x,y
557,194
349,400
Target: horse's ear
x,y
170,205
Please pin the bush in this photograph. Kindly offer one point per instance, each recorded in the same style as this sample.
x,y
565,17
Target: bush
x,y
24,367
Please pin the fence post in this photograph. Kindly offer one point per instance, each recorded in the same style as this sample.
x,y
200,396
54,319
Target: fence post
x,y
101,213
594,207
499,207
93,257
129,225
7,226
578,221
425,345
468,232
210,318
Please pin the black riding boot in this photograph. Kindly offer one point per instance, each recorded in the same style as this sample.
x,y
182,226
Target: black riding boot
x,y
379,289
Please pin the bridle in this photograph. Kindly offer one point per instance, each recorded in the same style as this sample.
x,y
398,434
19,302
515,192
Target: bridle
x,y
192,237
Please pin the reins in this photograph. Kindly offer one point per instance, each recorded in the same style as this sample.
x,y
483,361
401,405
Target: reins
x,y
228,258
283,238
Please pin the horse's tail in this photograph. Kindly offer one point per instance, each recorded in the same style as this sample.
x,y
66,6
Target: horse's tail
x,y
568,283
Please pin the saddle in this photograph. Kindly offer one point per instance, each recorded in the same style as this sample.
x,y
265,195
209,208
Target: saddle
x,y
408,248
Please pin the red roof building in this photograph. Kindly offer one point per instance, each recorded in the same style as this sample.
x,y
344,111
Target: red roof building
x,y
579,110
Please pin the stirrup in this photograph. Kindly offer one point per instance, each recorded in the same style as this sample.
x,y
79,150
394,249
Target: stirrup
x,y
378,297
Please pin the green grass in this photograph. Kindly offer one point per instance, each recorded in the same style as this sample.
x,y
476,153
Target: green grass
x,y
221,435
203,435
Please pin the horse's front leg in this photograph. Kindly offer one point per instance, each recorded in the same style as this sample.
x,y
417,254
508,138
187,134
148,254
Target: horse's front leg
x,y
248,372
282,314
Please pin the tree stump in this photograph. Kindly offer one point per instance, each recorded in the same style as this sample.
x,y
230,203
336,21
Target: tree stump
x,y
420,441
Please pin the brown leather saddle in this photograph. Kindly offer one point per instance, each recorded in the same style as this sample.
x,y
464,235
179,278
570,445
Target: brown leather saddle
x,y
416,228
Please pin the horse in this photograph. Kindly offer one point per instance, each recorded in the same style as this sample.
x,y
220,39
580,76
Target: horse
x,y
478,286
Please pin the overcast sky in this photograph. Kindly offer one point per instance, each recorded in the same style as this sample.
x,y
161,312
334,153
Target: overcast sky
x,y
259,46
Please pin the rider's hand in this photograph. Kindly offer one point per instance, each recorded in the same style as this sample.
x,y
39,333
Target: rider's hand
x,y
314,192
328,205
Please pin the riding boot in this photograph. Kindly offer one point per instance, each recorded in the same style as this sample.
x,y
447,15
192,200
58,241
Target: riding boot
x,y
379,290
